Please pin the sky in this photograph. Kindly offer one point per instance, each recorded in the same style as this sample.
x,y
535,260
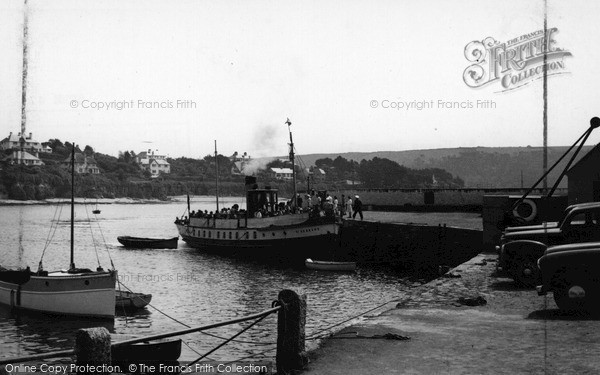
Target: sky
x,y
175,76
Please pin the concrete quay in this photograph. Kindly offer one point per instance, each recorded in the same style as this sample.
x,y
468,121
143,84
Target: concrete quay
x,y
501,329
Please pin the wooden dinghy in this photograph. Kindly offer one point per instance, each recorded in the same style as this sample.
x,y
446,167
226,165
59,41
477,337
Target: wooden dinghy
x,y
148,243
130,300
160,352
323,265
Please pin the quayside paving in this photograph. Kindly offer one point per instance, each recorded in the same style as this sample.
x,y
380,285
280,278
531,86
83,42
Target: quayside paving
x,y
515,331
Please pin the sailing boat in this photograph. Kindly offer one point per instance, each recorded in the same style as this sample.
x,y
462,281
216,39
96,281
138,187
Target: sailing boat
x,y
263,229
76,291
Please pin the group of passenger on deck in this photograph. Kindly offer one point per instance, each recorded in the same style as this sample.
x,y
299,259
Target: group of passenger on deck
x,y
232,212
312,203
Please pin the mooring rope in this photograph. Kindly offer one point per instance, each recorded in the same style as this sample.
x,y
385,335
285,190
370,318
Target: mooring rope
x,y
205,333
229,339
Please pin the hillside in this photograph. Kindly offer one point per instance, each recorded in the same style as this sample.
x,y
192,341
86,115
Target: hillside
x,y
489,167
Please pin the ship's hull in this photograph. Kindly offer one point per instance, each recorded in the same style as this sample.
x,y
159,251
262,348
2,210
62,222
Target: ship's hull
x,y
287,242
90,295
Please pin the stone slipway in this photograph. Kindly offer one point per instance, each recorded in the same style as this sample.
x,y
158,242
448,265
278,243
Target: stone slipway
x,y
515,332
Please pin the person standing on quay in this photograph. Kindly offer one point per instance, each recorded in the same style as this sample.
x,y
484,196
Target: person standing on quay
x,y
357,207
349,206
336,209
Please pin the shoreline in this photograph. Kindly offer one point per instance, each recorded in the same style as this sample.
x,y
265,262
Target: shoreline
x,y
12,202
104,201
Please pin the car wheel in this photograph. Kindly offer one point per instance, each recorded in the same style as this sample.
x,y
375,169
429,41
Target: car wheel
x,y
526,273
576,293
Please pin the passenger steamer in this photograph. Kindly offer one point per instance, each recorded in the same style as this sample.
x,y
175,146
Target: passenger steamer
x,y
293,236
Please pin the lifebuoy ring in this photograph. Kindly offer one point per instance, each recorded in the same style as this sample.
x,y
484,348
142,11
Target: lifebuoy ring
x,y
533,209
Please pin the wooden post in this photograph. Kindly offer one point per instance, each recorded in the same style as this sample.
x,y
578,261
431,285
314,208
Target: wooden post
x,y
291,320
92,346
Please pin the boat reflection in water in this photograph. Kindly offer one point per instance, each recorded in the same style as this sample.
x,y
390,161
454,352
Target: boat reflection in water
x,y
31,332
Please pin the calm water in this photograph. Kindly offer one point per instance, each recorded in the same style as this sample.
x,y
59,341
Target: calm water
x,y
188,285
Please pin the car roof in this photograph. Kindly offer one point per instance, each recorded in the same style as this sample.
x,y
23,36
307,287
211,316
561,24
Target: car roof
x,y
582,206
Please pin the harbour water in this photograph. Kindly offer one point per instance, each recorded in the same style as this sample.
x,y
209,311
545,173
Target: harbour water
x,y
187,285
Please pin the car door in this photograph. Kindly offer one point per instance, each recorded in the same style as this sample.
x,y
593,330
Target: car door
x,y
574,228
594,227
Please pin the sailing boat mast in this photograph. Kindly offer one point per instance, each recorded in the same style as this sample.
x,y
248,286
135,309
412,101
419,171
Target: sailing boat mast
x,y
72,266
217,177
294,203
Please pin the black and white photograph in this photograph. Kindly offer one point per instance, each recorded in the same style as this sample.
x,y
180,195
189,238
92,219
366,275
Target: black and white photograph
x,y
299,187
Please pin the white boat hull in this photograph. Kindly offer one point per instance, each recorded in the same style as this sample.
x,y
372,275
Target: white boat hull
x,y
60,293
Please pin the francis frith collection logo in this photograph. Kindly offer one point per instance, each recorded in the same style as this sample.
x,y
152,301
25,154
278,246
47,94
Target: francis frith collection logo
x,y
515,63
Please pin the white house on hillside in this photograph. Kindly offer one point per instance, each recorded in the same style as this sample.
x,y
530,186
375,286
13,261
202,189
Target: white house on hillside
x,y
27,143
22,157
154,163
83,163
25,150
281,173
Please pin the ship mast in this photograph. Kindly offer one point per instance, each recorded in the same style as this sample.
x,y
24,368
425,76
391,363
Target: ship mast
x,y
72,266
217,177
294,203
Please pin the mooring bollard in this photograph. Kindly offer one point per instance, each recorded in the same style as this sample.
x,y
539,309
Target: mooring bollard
x,y
92,347
291,320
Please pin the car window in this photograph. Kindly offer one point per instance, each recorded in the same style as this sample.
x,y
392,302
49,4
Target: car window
x,y
578,219
584,218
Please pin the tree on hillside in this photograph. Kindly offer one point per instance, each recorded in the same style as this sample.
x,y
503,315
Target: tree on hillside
x,y
224,165
58,147
188,167
324,163
381,173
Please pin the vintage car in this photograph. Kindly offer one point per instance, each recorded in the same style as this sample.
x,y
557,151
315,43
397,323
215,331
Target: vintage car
x,y
520,248
571,273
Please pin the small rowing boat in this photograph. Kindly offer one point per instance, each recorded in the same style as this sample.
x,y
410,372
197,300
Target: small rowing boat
x,y
148,243
329,265
160,352
131,300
